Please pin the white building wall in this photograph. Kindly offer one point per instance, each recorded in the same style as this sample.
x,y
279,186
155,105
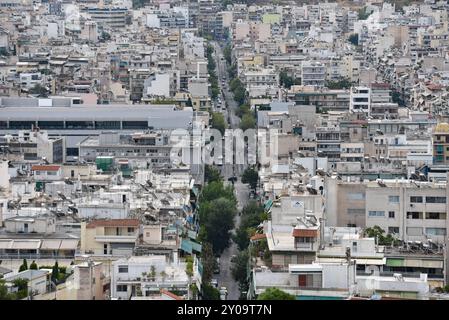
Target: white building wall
x,y
160,86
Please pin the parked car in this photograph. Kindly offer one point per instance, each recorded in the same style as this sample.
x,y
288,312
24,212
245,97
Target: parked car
x,y
217,266
223,293
214,282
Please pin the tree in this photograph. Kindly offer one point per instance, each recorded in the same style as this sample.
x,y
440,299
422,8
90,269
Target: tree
x,y
343,83
153,272
241,238
189,266
24,266
33,265
55,272
218,122
243,109
239,270
227,52
252,215
39,90
363,14
275,294
240,95
218,223
286,80
210,293
248,122
250,176
354,39
378,233
214,190
211,174
208,261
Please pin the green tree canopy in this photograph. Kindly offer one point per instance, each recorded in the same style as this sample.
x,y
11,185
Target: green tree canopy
x,y
218,221
248,122
23,266
250,176
216,189
379,233
239,270
354,39
39,90
208,261
252,215
343,83
210,293
218,122
33,265
212,174
275,294
285,80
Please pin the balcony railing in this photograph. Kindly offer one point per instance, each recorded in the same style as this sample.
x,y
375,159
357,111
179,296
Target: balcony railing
x,y
115,238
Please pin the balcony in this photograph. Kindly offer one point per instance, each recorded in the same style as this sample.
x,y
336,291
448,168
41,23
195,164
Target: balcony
x,y
116,239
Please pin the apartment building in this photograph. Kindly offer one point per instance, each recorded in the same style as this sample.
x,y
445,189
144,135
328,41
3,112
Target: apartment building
x,y
114,237
411,210
313,73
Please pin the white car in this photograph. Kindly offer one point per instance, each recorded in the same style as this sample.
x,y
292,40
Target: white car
x,y
223,293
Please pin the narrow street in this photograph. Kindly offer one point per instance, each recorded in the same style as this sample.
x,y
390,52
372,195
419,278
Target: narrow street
x,y
229,170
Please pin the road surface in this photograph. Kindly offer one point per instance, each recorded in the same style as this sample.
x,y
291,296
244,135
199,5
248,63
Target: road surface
x,y
229,170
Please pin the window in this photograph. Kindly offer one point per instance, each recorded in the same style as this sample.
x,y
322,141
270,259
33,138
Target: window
x,y
416,199
391,214
356,196
435,199
122,269
130,230
411,231
414,215
105,248
436,231
393,230
376,213
356,211
122,288
393,199
436,215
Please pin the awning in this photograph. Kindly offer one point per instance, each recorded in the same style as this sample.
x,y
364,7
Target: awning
x,y
432,264
5,244
69,244
196,246
50,244
377,262
186,246
395,262
26,244
268,204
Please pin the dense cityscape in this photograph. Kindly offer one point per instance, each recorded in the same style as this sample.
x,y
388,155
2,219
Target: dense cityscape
x,y
224,150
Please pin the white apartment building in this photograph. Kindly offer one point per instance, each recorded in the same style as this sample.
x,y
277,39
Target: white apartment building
x,y
313,73
146,275
360,100
412,210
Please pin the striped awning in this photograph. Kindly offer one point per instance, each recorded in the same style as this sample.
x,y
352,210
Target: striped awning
x,y
69,244
51,244
26,244
5,244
